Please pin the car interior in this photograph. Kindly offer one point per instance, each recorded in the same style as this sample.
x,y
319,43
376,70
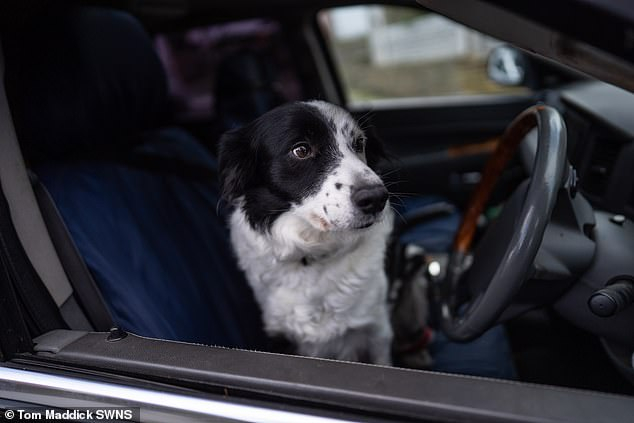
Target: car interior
x,y
113,230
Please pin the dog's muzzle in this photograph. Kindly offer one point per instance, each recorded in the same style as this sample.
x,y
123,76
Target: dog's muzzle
x,y
370,199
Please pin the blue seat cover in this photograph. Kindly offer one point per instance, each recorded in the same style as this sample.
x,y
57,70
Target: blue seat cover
x,y
156,245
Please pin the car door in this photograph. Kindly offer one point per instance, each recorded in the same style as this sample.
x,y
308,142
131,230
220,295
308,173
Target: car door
x,y
421,81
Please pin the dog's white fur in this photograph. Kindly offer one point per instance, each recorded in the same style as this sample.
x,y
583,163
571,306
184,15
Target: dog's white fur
x,y
320,281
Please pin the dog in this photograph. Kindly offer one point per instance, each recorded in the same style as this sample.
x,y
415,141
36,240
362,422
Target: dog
x,y
309,223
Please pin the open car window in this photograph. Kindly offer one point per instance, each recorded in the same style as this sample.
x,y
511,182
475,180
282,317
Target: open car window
x,y
394,52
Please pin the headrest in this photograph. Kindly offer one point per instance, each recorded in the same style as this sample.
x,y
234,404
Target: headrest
x,y
82,81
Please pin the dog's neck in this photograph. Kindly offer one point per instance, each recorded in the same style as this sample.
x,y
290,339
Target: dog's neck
x,y
308,259
293,240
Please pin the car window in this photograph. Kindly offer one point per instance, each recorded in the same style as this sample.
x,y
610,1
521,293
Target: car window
x,y
388,52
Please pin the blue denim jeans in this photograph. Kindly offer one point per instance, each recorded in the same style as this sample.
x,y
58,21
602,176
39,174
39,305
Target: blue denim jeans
x,y
490,354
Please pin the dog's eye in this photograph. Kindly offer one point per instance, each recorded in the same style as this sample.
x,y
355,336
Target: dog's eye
x,y
358,145
301,151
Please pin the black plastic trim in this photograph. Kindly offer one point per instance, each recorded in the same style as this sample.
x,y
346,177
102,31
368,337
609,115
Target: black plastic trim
x,y
395,392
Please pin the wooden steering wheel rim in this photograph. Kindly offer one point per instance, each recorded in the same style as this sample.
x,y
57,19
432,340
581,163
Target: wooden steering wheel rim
x,y
506,149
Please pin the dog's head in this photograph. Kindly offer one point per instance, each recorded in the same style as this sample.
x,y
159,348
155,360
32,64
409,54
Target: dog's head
x,y
311,159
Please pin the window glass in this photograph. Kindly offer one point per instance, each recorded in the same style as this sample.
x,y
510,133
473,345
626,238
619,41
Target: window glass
x,y
385,52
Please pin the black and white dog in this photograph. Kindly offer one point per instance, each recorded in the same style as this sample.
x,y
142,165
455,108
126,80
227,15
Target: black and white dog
x,y
309,226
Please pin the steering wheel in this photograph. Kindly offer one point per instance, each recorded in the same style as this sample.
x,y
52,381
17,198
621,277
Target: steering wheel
x,y
506,252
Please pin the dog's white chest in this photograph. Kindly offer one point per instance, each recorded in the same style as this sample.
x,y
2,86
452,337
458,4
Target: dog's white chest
x,y
316,292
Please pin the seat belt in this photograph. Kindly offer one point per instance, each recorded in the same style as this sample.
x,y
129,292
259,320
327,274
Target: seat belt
x,y
39,310
25,216
84,286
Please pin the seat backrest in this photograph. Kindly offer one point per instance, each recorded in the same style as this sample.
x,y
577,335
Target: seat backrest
x,y
88,94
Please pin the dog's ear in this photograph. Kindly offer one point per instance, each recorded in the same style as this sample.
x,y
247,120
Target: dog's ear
x,y
236,162
374,148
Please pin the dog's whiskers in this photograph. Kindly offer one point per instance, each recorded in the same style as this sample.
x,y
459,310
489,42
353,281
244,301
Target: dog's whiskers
x,y
398,213
404,194
392,183
220,200
365,118
389,172
396,199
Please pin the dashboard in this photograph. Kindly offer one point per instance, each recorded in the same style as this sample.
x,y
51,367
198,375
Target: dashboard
x,y
600,121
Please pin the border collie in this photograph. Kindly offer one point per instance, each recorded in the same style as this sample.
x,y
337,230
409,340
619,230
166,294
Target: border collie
x,y
309,225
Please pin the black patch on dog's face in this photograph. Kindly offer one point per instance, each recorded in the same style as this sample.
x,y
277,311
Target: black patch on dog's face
x,y
257,161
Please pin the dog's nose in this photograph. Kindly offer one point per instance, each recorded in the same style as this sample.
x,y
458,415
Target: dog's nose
x,y
370,199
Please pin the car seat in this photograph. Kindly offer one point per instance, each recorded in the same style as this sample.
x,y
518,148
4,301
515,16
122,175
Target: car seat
x,y
88,96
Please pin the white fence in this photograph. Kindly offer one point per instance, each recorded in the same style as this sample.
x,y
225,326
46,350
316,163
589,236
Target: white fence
x,y
425,39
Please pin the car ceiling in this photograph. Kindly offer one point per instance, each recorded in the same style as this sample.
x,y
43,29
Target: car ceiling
x,y
592,36
605,24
